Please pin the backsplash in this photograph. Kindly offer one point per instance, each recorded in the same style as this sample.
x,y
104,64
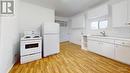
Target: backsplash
x,y
114,32
119,32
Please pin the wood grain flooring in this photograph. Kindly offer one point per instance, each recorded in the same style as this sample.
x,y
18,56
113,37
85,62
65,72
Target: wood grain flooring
x,y
72,59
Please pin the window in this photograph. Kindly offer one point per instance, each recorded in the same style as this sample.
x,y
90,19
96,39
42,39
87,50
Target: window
x,y
99,24
94,25
103,24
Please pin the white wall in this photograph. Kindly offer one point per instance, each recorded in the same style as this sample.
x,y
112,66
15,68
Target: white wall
x,y
26,17
75,36
32,16
64,31
77,28
62,18
64,34
9,41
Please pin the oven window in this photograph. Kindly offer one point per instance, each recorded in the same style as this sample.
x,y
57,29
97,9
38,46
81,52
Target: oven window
x,y
29,46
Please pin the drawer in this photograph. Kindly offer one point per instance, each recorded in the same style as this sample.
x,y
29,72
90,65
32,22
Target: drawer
x,y
29,58
94,39
121,42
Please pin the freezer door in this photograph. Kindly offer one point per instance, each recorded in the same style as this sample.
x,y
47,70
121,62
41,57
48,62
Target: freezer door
x,y
50,28
50,44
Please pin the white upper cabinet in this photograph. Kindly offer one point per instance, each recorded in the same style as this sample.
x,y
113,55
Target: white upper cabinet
x,y
98,12
129,11
78,21
120,14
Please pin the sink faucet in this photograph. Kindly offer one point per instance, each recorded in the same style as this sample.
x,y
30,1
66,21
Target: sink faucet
x,y
103,33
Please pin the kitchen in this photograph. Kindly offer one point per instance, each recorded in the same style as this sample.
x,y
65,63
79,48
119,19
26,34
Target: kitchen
x,y
93,37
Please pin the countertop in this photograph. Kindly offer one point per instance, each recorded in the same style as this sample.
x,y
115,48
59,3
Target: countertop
x,y
109,37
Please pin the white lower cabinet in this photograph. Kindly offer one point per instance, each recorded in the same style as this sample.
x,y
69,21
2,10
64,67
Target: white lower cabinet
x,y
115,49
94,46
101,47
122,53
108,50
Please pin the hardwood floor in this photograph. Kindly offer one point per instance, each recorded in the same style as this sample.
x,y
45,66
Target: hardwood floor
x,y
72,59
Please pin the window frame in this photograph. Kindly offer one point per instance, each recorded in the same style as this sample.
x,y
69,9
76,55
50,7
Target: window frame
x,y
99,19
99,26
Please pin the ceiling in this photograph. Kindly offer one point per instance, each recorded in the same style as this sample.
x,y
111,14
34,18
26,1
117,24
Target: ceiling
x,y
67,8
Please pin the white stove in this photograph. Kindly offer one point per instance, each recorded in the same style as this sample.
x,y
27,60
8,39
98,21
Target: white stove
x,y
31,48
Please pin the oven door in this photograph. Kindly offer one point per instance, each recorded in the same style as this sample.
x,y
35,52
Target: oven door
x,y
30,47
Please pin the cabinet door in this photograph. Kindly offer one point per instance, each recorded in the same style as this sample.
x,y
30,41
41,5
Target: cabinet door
x,y
122,53
119,14
94,46
108,50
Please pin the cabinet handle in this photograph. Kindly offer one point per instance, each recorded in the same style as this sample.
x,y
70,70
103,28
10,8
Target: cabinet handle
x,y
129,23
123,43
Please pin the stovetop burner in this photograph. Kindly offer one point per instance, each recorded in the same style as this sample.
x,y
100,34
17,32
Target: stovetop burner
x,y
36,37
27,37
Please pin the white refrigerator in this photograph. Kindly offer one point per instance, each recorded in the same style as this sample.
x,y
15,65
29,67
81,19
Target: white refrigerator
x,y
50,33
